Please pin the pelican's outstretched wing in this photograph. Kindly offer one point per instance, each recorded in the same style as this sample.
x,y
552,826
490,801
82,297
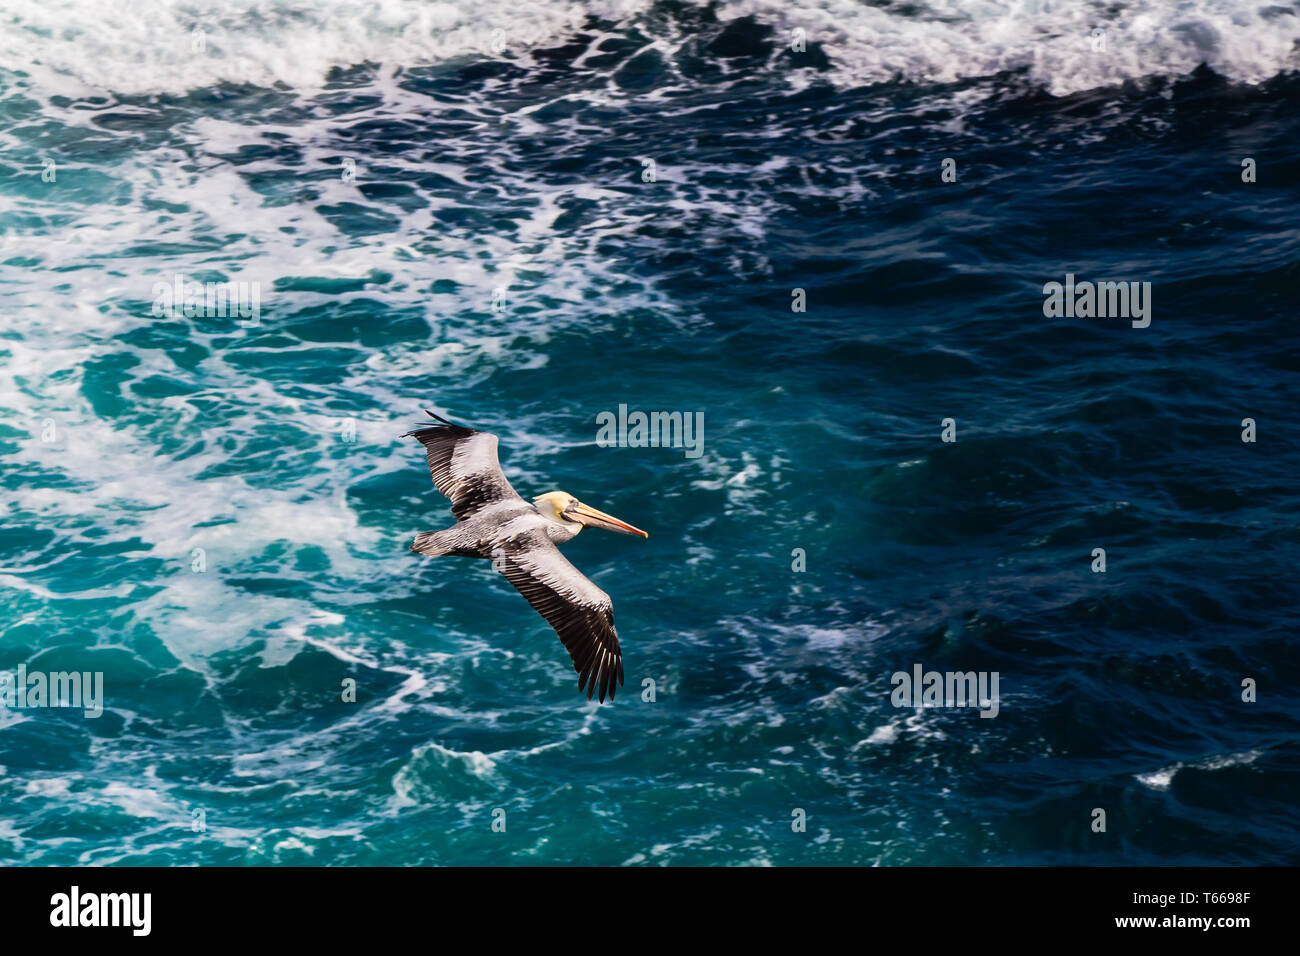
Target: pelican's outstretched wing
x,y
581,613
464,465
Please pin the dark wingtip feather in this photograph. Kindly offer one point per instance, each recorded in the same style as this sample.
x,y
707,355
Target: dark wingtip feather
x,y
438,422
439,418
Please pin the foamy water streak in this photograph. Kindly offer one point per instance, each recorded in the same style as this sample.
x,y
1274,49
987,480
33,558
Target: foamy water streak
x,y
79,46
1066,45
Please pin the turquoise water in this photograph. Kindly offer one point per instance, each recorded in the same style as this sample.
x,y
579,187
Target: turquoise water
x,y
216,516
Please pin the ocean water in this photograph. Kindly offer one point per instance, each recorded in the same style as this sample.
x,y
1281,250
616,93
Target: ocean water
x,y
452,205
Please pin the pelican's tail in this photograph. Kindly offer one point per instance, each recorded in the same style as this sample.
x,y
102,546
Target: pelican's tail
x,y
432,543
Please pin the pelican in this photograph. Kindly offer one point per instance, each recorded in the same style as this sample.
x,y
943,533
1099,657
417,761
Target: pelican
x,y
519,538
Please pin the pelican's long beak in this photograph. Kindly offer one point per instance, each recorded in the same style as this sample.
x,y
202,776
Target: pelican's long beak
x,y
598,519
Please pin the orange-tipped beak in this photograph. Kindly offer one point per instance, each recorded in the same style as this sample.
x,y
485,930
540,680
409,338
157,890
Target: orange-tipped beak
x,y
598,519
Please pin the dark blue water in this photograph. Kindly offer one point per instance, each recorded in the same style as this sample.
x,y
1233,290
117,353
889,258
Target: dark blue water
x,y
216,518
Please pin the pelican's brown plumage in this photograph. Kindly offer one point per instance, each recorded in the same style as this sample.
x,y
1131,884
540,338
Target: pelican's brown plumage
x,y
520,539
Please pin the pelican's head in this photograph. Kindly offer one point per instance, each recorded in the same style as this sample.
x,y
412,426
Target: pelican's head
x,y
563,507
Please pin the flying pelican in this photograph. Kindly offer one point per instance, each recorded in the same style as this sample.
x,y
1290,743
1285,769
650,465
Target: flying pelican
x,y
494,522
